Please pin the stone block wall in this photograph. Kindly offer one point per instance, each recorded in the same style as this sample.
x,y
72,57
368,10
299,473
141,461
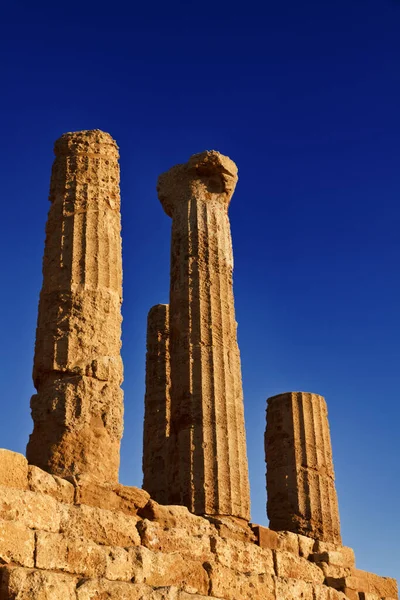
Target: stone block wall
x,y
85,541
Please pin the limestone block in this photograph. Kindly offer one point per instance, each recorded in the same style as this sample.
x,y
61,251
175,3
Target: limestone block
x,y
177,539
344,557
231,527
280,540
17,544
243,557
132,498
186,596
338,583
175,516
357,581
306,546
335,595
44,483
77,555
363,581
96,589
322,546
289,542
18,583
171,569
167,593
13,469
323,592
293,589
351,594
266,538
119,564
333,571
295,567
99,525
230,585
36,511
382,586
111,496
336,562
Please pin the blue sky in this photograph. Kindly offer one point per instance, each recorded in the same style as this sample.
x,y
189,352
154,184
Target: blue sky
x,y
305,98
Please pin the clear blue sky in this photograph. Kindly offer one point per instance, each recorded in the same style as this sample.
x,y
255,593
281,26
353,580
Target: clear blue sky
x,y
305,97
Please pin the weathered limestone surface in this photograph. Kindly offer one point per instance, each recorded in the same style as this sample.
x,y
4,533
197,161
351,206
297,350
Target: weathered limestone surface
x,y
63,549
13,470
41,481
157,404
127,499
17,583
77,411
300,478
88,537
17,543
207,447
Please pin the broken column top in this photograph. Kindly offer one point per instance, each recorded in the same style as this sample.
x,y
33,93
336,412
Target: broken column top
x,y
208,174
91,141
284,395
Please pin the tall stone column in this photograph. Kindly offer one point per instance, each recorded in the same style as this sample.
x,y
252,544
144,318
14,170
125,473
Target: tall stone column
x,y
208,462
157,405
78,410
300,477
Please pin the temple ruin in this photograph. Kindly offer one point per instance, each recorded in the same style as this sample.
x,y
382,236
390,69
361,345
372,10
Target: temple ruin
x,y
157,404
68,529
77,411
206,461
300,478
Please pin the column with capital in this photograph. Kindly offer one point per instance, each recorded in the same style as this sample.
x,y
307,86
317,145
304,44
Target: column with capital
x,y
207,470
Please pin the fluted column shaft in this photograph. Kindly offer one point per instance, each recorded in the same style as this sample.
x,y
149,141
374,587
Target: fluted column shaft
x,y
300,477
208,462
157,405
78,410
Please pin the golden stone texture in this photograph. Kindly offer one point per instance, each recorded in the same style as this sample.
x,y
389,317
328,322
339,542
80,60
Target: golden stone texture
x,y
157,404
53,546
207,466
78,410
91,538
13,470
300,478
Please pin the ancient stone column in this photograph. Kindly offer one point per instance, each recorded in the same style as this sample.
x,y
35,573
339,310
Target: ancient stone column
x,y
208,462
78,410
157,405
300,477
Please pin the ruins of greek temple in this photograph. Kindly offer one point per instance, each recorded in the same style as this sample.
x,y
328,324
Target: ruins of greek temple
x,y
68,529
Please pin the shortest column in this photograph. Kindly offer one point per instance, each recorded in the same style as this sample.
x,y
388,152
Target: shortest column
x,y
300,477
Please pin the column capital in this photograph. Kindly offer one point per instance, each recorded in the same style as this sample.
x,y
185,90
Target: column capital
x,y
206,176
